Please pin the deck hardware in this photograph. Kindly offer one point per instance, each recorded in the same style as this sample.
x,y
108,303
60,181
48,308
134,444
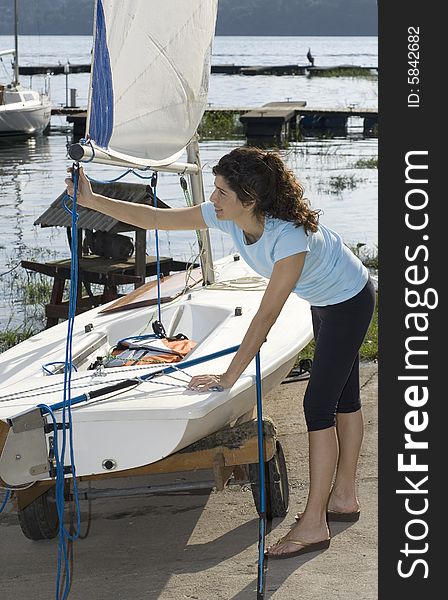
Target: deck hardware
x,y
39,469
27,421
238,311
100,370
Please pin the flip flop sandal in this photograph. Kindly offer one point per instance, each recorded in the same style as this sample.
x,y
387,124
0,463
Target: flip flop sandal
x,y
306,547
342,517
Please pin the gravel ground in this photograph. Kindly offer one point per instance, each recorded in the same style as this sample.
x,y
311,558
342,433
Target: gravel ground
x,y
205,546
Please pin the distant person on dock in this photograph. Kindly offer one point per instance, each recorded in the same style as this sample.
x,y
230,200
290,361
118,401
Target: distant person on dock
x,y
261,205
310,57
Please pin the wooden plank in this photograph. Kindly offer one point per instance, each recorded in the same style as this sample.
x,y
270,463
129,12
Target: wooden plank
x,y
53,69
96,269
4,430
146,295
23,498
293,104
275,114
221,472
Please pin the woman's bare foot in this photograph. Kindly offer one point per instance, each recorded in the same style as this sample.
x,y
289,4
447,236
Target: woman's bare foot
x,y
342,503
301,536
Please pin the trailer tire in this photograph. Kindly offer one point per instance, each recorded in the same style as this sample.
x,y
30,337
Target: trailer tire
x,y
39,520
277,486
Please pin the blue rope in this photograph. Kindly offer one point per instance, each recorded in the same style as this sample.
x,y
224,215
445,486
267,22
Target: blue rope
x,y
159,308
64,535
153,178
62,546
110,180
262,484
137,337
164,371
69,357
134,172
131,171
48,372
5,500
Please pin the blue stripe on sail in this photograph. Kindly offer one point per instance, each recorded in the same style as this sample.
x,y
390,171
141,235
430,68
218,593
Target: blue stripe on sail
x,y
101,105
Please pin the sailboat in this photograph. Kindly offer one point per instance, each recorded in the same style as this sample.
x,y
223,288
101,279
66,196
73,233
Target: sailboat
x,y
148,92
23,111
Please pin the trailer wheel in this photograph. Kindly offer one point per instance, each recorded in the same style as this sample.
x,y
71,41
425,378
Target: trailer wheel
x,y
277,486
39,520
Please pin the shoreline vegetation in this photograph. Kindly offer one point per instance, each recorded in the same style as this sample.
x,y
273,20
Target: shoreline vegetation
x,y
344,71
30,292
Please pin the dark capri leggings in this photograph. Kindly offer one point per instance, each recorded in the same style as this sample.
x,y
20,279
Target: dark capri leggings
x,y
339,330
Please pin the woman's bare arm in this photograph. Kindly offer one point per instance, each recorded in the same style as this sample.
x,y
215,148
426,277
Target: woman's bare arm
x,y
139,215
284,277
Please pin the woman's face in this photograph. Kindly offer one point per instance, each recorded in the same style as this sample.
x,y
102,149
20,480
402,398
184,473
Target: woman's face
x,y
227,204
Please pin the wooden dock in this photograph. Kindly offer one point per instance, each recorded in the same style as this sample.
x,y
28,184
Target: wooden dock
x,y
259,69
226,69
58,69
272,122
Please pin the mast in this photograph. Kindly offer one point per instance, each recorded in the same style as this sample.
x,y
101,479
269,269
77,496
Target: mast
x,y
16,44
197,189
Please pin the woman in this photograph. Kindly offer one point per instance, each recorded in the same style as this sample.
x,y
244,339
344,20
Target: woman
x,y
261,205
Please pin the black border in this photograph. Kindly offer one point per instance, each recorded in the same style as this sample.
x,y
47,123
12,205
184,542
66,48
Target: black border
x,y
403,129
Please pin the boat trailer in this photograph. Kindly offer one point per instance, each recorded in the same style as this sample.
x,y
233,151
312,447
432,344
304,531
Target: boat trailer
x,y
230,453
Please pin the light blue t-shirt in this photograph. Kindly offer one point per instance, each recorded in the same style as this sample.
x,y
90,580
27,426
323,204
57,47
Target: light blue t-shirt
x,y
331,272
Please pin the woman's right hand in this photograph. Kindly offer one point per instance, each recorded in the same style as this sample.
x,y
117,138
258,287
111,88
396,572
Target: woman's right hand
x,y
84,195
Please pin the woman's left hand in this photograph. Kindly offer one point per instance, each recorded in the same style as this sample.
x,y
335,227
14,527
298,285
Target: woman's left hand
x,y
207,383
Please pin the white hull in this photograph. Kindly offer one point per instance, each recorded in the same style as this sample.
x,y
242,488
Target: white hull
x,y
159,417
26,119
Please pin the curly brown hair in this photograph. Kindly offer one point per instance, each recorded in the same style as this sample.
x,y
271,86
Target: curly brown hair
x,y
262,178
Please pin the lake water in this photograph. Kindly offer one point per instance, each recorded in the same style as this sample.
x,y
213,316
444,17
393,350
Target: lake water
x,y
32,171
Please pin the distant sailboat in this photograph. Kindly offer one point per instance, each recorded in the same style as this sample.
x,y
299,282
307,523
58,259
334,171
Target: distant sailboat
x,y
22,111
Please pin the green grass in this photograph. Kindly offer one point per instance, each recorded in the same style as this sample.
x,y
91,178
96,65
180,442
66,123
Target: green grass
x,y
338,183
220,125
26,293
366,163
369,348
343,72
36,291
367,256
11,337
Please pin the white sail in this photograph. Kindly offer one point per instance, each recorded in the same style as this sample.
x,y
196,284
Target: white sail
x,y
149,80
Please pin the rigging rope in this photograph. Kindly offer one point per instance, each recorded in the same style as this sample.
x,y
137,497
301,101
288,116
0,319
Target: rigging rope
x,y
5,500
67,424
156,231
262,484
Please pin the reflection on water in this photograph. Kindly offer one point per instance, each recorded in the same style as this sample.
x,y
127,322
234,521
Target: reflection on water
x,y
32,170
32,174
